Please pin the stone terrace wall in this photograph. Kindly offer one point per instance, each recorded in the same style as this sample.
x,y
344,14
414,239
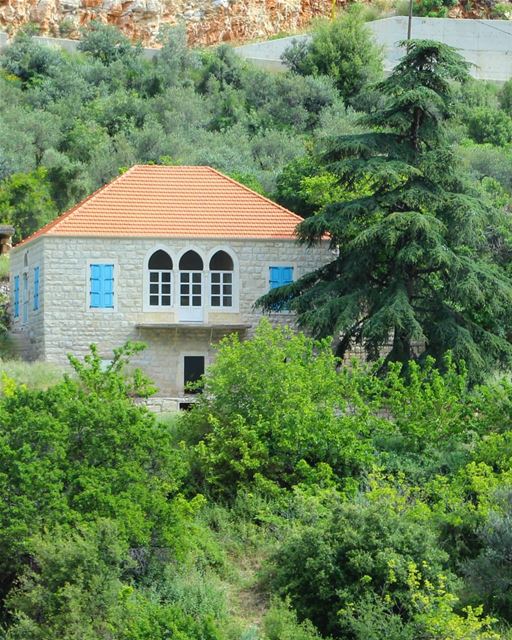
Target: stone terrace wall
x,y
486,44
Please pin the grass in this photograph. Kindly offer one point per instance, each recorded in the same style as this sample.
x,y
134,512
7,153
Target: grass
x,y
4,267
35,375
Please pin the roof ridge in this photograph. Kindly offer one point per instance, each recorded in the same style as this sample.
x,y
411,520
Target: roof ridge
x,y
63,216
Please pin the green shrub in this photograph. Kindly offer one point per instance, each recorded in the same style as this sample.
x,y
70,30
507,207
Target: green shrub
x,y
280,623
490,573
434,8
30,61
82,450
505,97
494,126
364,548
106,43
342,49
281,420
72,587
76,588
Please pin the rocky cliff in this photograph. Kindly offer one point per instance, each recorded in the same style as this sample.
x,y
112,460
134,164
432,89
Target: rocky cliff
x,y
208,21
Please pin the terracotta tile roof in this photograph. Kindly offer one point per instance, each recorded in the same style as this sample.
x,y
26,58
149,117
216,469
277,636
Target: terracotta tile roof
x,y
174,202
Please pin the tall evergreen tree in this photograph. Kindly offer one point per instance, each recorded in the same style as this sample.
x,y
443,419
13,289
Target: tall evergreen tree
x,y
414,260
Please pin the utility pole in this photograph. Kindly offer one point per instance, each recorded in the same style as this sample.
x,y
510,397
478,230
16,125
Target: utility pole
x,y
409,24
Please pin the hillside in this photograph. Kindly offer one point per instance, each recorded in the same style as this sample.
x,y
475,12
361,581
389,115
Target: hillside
x,y
208,21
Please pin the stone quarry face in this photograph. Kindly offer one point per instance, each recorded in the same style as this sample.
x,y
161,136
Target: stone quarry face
x,y
208,21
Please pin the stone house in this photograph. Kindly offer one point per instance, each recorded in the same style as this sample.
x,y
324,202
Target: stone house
x,y
171,256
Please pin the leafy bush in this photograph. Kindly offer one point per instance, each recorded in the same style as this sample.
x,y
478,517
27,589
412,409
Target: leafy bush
x,y
105,43
74,590
26,202
505,97
280,623
343,50
363,547
433,8
30,61
80,451
282,421
490,573
493,126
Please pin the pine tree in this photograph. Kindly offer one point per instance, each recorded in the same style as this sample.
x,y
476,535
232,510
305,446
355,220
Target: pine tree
x,y
414,248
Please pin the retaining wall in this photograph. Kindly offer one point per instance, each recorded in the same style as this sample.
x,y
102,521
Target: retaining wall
x,y
487,44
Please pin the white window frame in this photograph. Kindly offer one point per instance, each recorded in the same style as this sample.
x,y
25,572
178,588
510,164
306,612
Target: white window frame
x,y
100,260
146,307
235,282
182,310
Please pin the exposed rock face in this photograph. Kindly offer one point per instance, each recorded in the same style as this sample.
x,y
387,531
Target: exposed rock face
x,y
208,21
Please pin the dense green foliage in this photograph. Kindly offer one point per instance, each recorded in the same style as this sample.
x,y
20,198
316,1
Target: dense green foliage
x,y
415,237
301,498
71,122
343,50
285,426
382,510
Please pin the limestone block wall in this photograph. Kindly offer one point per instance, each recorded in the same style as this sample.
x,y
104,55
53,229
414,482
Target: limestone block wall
x,y
70,326
28,336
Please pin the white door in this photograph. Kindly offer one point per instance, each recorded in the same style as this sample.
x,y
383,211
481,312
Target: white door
x,y
191,296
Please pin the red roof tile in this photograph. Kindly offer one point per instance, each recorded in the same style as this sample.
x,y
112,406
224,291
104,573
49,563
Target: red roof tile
x,y
174,202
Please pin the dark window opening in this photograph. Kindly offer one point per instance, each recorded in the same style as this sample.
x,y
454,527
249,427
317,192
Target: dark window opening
x,y
160,260
193,370
191,261
221,261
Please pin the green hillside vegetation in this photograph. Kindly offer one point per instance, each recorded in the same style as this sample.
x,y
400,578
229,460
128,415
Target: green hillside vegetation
x,y
308,504
301,498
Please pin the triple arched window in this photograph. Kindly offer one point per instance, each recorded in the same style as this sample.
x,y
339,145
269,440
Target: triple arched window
x,y
198,284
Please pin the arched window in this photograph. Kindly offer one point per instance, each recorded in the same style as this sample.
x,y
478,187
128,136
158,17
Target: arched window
x,y
160,279
191,261
191,284
221,280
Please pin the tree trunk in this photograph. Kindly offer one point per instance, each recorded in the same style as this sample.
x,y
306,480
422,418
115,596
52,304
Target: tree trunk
x,y
401,350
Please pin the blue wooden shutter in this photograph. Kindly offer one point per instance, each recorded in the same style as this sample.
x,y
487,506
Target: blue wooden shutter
x,y
280,276
36,288
108,286
95,286
16,296
102,286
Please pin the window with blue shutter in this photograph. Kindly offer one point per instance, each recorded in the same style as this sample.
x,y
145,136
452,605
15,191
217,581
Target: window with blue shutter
x,y
36,288
278,277
25,297
16,296
102,286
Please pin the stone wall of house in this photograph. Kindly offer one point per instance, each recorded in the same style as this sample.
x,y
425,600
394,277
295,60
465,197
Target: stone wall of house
x,y
29,338
70,326
207,21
